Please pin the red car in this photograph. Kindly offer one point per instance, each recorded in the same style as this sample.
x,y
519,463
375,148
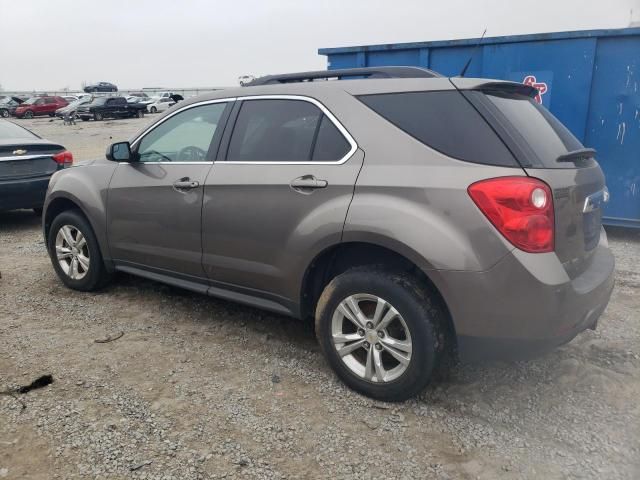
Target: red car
x,y
40,106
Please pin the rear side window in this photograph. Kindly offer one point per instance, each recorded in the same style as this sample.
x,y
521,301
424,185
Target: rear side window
x,y
541,135
444,121
275,130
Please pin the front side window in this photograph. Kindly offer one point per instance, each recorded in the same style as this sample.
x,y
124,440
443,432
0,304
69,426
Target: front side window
x,y
185,137
281,130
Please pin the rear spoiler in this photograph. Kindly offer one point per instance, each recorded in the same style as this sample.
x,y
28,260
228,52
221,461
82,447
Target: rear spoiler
x,y
494,86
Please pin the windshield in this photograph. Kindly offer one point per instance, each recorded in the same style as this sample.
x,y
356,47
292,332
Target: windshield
x,y
31,100
10,130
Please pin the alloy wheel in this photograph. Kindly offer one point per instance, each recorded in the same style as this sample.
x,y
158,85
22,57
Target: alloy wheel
x,y
72,252
371,338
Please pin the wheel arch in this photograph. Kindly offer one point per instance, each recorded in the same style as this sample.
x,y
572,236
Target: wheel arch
x,y
62,203
340,257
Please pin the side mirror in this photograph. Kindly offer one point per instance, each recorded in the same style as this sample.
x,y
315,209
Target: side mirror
x,y
120,152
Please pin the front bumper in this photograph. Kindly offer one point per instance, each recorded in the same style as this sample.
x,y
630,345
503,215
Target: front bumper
x,y
23,193
526,304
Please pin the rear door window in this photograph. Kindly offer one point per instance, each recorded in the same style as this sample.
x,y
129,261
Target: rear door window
x,y
282,130
274,130
444,121
330,144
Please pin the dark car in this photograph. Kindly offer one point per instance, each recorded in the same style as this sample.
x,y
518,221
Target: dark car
x,y
26,164
42,105
411,216
8,106
110,107
101,87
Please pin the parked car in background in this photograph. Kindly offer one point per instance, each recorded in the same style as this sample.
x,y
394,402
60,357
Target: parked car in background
x,y
160,105
43,105
110,107
8,106
139,94
73,106
26,165
413,217
101,87
70,98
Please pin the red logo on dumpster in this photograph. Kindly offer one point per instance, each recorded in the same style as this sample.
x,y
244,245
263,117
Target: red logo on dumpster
x,y
540,86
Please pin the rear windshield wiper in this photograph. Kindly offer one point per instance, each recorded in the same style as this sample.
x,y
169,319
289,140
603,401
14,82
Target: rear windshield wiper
x,y
575,155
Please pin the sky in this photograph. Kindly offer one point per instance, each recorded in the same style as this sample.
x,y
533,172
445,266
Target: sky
x,y
51,45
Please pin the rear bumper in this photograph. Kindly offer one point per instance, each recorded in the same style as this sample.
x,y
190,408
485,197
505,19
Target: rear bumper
x,y
23,193
526,304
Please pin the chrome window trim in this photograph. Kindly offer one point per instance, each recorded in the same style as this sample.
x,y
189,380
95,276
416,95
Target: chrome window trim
x,y
345,133
323,109
155,125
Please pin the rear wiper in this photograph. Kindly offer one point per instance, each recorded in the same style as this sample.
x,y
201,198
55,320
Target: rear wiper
x,y
575,155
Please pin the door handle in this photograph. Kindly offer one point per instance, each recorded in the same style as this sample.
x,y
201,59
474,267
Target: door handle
x,y
308,182
185,184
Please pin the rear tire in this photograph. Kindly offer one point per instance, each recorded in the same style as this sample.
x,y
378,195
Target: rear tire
x,y
140,114
4,113
402,354
75,253
98,116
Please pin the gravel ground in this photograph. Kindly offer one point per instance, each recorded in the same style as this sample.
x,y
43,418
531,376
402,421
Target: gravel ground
x,y
202,388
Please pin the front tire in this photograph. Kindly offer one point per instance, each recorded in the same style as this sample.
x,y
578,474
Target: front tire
x,y
28,114
98,116
154,110
140,114
75,253
380,332
4,113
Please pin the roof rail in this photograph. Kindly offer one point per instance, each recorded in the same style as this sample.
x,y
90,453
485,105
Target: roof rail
x,y
366,72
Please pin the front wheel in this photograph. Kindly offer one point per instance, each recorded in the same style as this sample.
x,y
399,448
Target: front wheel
x,y
75,253
140,114
98,116
154,110
28,114
380,332
4,113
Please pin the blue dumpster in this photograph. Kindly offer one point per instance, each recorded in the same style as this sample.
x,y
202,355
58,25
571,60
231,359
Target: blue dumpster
x,y
589,79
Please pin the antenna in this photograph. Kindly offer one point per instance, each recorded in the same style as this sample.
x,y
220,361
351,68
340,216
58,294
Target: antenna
x,y
473,53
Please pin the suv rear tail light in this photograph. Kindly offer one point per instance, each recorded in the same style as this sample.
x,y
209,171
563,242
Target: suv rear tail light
x,y
65,158
521,208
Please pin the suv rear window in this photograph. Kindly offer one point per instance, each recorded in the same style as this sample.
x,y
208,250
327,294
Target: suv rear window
x,y
540,135
444,121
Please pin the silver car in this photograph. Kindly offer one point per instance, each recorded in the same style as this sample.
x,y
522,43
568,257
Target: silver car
x,y
414,218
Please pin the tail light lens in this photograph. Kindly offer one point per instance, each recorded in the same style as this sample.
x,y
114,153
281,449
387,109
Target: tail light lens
x,y
521,208
64,158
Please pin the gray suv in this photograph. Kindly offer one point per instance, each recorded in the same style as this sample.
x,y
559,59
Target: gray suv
x,y
415,218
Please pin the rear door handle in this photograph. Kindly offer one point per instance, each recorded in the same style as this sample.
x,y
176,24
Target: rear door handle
x,y
185,184
308,182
